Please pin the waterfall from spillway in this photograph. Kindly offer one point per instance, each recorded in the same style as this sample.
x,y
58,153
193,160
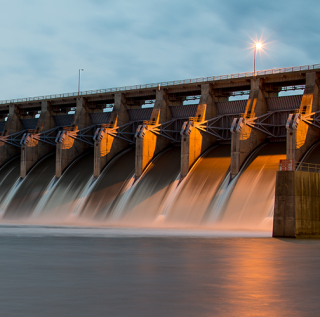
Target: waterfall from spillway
x,y
198,189
31,189
145,200
250,205
159,198
65,195
9,174
110,186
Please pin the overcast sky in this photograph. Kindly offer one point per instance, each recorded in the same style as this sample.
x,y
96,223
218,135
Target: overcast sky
x,y
123,42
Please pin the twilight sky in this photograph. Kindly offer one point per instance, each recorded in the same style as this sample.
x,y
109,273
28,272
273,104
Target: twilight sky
x,y
119,43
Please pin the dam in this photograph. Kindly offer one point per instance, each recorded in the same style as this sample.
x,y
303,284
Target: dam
x,y
192,153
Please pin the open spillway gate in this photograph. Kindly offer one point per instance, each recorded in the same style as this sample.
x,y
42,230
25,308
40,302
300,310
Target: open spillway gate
x,y
150,118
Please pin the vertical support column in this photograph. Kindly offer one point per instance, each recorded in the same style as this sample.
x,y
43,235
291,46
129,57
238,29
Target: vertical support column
x,y
300,135
69,148
149,144
107,146
284,219
193,141
12,125
244,139
35,150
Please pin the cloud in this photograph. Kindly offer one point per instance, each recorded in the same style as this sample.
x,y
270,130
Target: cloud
x,y
118,43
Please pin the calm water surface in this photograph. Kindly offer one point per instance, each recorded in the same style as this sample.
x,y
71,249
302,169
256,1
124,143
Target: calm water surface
x,y
130,272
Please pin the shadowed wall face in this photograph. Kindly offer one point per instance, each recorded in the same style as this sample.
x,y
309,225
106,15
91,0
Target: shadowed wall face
x,y
297,205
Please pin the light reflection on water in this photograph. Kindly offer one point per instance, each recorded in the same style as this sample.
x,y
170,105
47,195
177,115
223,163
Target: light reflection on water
x,y
74,271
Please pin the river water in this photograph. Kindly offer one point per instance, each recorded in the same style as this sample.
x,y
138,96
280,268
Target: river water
x,y
76,271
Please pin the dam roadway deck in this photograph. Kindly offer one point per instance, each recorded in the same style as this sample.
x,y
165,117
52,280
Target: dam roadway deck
x,y
224,84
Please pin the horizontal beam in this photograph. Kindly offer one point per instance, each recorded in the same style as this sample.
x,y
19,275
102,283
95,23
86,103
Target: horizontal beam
x,y
289,74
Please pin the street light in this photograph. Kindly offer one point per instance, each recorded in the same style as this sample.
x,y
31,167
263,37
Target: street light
x,y
257,46
79,83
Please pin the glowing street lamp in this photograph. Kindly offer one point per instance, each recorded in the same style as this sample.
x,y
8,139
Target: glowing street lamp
x,y
257,46
79,83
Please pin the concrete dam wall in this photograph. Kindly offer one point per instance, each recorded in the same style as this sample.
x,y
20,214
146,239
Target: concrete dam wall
x,y
107,158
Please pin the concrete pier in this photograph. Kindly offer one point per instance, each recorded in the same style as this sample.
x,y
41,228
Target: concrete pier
x,y
148,142
13,125
297,205
300,135
69,148
193,141
244,139
35,150
106,146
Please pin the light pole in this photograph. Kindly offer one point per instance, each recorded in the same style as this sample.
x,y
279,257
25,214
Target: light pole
x,y
256,46
79,83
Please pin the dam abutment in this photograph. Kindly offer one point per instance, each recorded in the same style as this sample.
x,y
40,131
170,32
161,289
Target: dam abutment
x,y
297,205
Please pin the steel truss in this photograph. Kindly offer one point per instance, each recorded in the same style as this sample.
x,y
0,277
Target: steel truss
x,y
123,132
13,139
169,129
273,123
218,126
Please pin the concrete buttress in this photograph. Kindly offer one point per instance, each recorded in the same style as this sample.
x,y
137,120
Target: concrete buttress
x,y
107,145
245,139
35,150
193,141
13,125
70,147
150,144
300,135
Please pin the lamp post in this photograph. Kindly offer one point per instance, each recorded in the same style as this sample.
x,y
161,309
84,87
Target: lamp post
x,y
79,83
256,46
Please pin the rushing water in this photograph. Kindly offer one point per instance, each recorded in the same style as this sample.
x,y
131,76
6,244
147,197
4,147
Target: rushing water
x,y
160,198
250,205
9,174
122,272
145,200
31,190
65,195
109,186
197,191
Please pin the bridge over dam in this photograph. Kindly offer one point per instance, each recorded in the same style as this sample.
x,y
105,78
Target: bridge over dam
x,y
200,152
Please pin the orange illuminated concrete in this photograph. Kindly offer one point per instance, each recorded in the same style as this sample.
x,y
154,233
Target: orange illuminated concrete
x,y
68,150
106,148
35,150
151,143
245,141
301,138
194,144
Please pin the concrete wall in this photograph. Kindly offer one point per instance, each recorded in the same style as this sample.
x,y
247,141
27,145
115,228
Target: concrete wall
x,y
301,138
106,148
246,140
297,205
194,144
67,151
151,144
12,126
35,150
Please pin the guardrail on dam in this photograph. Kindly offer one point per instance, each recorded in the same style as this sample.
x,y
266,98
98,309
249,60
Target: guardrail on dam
x,y
35,127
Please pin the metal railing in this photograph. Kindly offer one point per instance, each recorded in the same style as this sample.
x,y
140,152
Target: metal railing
x,y
307,167
165,84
